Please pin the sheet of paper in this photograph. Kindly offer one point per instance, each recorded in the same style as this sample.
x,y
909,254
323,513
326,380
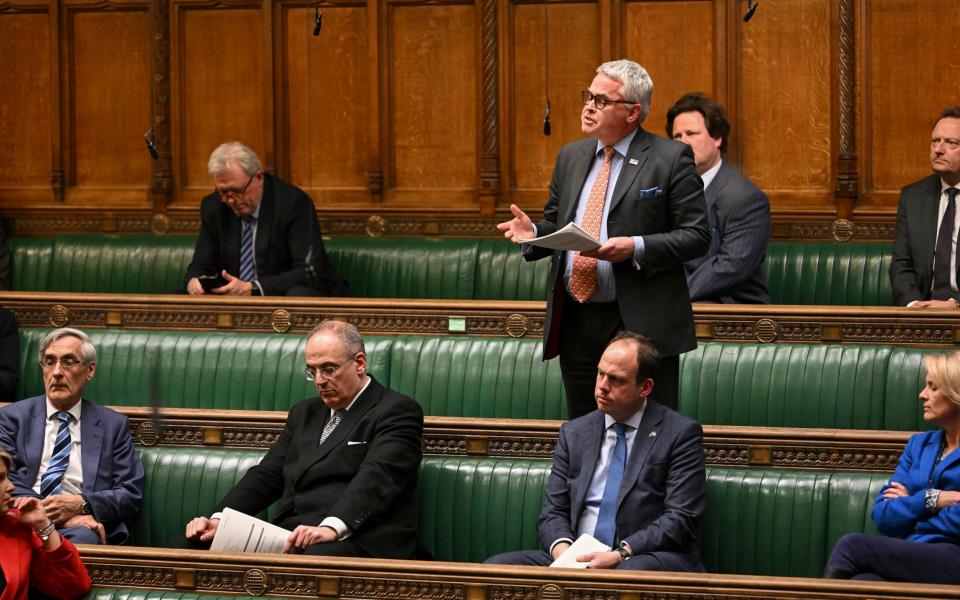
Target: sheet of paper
x,y
239,532
585,544
571,237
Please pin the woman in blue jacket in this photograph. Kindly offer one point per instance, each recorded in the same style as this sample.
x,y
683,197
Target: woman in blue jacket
x,y
917,510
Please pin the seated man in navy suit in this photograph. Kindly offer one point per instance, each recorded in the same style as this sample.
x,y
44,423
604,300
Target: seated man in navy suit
x,y
630,473
74,454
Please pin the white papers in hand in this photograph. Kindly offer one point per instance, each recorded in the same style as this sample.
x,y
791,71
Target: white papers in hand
x,y
571,237
239,532
585,544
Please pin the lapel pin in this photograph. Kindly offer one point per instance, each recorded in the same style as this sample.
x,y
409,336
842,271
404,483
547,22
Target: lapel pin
x,y
634,161
652,434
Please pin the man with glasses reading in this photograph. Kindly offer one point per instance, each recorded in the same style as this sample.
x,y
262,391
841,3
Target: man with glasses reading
x,y
641,197
344,469
924,269
74,454
258,234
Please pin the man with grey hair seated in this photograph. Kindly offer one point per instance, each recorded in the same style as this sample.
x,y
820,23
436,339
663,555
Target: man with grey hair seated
x,y
258,234
73,453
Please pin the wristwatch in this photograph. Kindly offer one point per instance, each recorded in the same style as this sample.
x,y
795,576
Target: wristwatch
x,y
930,498
623,552
86,509
44,533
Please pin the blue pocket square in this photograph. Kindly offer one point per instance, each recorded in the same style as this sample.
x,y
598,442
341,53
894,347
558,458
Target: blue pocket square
x,y
651,192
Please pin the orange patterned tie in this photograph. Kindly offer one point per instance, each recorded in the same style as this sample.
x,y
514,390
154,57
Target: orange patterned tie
x,y
583,276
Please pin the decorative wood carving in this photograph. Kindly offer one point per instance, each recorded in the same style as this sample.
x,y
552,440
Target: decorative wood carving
x,y
847,81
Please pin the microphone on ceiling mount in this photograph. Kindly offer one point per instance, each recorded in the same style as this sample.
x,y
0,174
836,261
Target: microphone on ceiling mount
x,y
751,8
546,119
317,19
151,140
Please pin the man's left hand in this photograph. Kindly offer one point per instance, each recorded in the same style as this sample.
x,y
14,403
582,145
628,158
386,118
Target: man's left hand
x,y
235,286
617,249
63,507
90,523
601,560
305,536
938,304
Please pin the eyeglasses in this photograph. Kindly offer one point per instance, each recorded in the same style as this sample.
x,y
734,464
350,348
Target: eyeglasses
x,y
950,143
235,193
67,362
599,100
324,372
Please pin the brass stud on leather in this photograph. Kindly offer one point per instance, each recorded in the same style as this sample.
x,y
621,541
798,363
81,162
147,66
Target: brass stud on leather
x,y
766,330
160,224
550,591
255,582
376,225
147,434
59,315
517,325
843,230
280,320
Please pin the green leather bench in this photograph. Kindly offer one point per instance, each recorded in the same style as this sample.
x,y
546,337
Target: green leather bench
x,y
790,385
112,593
758,522
447,268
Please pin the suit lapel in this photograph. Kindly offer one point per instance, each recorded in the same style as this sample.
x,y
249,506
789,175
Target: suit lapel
x,y
642,444
577,177
34,445
590,439
638,152
231,240
928,224
264,224
91,443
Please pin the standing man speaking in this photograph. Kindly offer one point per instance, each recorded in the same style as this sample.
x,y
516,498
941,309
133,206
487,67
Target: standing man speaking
x,y
640,195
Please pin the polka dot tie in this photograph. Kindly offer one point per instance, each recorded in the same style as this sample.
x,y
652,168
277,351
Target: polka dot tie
x,y
583,276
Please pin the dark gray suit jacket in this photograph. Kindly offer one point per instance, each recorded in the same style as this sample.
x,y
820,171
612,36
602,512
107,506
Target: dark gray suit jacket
x,y
661,198
112,472
664,490
911,270
732,270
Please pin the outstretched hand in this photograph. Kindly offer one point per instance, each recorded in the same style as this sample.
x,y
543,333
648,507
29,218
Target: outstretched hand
x,y
520,227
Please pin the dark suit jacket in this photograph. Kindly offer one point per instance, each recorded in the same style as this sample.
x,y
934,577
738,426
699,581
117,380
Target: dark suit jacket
x,y
365,473
112,472
9,356
285,228
911,270
660,198
732,270
664,490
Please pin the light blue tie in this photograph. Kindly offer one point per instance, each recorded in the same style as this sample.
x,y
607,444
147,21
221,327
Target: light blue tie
x,y
606,530
247,265
52,481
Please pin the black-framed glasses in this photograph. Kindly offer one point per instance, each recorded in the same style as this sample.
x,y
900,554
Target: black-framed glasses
x,y
599,100
325,372
234,192
67,362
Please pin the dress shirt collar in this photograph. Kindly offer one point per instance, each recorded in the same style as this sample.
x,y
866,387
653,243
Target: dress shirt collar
x,y
633,421
74,410
352,402
620,147
711,173
944,187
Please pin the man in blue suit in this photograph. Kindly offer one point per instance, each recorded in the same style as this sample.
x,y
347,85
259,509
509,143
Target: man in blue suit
x,y
739,213
75,455
630,473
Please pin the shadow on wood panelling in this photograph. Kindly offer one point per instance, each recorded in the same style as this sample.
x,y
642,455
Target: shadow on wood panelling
x,y
25,112
913,74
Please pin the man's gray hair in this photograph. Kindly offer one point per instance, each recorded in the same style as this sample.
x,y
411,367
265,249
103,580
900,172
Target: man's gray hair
x,y
637,85
233,152
347,334
87,352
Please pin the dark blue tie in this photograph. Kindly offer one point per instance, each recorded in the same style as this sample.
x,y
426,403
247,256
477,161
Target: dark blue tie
x,y
944,249
606,530
247,270
51,483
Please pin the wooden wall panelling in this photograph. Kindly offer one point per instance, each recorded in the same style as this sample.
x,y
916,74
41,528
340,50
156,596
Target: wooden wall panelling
x,y
161,181
847,177
913,58
222,81
26,110
489,180
105,101
785,101
324,101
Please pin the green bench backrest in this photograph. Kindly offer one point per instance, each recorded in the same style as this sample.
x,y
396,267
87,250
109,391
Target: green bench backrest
x,y
852,274
763,522
788,385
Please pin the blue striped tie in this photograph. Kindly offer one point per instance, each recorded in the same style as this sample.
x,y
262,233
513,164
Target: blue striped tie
x,y
52,481
606,529
247,264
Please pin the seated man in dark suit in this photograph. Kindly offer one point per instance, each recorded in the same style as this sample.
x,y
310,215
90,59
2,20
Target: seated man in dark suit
x,y
345,466
259,234
74,454
739,213
923,272
631,474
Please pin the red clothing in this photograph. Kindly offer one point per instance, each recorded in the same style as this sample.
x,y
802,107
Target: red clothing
x,y
58,574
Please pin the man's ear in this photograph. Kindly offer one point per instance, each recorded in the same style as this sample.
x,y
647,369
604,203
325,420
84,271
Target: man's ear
x,y
635,111
646,387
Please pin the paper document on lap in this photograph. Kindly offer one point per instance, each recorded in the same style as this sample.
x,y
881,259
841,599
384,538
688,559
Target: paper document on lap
x,y
571,237
239,532
585,544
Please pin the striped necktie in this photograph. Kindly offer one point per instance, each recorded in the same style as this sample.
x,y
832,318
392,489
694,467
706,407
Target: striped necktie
x,y
248,271
331,425
52,481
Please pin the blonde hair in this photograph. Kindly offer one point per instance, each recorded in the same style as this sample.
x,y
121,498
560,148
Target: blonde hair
x,y
945,368
7,459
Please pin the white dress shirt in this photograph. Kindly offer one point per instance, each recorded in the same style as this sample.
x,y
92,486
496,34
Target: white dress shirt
x,y
73,478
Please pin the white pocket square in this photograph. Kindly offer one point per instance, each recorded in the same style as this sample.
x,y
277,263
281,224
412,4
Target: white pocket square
x,y
651,192
355,443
